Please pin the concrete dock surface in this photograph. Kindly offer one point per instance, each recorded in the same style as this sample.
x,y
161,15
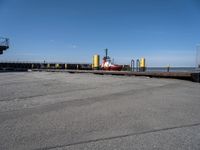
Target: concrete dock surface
x,y
45,110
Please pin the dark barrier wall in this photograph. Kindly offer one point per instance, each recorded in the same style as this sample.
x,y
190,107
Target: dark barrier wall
x,y
20,65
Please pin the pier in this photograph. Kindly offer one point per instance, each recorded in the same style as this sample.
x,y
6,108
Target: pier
x,y
192,76
87,68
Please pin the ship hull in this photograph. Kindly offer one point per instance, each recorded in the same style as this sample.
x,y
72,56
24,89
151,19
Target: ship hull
x,y
113,68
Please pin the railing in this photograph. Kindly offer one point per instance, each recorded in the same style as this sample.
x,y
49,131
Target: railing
x,y
42,62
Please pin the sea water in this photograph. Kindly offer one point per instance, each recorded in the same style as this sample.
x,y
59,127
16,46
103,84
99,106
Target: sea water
x,y
172,69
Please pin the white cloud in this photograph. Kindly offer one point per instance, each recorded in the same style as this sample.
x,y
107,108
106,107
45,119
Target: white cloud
x,y
72,46
52,40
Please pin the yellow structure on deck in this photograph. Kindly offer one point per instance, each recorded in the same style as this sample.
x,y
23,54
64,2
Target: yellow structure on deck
x,y
32,66
57,66
48,66
65,66
96,62
142,64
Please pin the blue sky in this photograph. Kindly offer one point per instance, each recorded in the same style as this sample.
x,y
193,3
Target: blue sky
x,y
163,31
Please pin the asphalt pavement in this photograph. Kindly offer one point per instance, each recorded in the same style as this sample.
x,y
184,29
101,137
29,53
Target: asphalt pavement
x,y
44,110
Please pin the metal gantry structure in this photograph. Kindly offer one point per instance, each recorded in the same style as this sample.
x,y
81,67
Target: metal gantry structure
x,y
4,44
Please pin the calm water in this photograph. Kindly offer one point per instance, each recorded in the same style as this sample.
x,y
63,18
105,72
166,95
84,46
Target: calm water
x,y
172,69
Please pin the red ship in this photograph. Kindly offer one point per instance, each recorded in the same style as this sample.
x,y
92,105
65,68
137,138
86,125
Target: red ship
x,y
107,65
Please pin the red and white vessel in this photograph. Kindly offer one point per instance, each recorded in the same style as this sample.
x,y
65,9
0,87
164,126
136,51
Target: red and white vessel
x,y
107,65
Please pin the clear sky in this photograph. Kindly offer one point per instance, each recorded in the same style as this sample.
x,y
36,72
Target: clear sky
x,y
163,31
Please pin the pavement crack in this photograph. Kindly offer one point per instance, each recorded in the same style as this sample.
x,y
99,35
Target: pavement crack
x,y
45,94
119,136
